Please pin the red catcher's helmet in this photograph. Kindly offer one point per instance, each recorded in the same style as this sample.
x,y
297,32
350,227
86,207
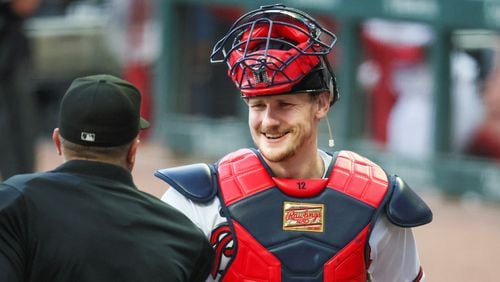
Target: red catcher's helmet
x,y
277,50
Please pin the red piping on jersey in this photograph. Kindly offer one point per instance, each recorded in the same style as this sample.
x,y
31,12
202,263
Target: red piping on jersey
x,y
420,275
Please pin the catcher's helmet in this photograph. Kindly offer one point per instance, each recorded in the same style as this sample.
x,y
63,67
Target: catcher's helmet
x,y
277,50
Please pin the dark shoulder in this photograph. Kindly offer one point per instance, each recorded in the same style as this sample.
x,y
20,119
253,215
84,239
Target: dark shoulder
x,y
19,183
13,192
405,208
8,195
194,181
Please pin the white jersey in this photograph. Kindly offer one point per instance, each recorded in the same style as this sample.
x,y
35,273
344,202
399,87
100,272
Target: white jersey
x,y
393,251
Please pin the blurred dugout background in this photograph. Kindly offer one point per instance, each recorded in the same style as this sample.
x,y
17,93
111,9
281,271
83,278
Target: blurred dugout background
x,y
420,94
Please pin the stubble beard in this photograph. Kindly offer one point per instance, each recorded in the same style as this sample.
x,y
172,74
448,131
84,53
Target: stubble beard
x,y
273,155
282,153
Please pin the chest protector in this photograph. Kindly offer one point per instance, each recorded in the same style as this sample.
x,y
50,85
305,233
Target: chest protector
x,y
300,229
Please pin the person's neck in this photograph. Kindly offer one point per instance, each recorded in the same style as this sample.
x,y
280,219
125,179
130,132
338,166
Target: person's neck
x,y
306,166
101,160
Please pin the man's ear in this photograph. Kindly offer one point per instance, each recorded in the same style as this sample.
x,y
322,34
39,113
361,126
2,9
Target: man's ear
x,y
132,151
323,104
57,141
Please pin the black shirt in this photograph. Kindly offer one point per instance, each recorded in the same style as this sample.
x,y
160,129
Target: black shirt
x,y
86,221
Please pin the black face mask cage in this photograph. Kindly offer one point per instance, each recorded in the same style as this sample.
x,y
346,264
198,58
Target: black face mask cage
x,y
258,63
321,38
254,37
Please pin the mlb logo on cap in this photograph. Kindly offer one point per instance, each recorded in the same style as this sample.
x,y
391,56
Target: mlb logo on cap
x,y
89,137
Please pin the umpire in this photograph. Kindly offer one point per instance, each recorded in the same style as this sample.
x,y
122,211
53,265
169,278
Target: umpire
x,y
86,220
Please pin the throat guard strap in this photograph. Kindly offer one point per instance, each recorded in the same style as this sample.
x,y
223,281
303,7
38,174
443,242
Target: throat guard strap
x,y
301,188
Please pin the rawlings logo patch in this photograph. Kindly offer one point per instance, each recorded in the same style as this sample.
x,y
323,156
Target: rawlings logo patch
x,y
307,217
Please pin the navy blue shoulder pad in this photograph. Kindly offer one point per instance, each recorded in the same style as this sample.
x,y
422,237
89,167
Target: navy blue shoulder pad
x,y
194,181
405,208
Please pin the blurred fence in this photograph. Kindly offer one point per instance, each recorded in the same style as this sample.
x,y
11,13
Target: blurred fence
x,y
197,110
196,131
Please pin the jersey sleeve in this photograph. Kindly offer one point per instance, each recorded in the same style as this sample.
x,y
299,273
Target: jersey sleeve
x,y
205,215
12,230
393,254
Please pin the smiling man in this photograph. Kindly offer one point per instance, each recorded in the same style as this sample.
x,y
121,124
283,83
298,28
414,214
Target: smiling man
x,y
287,210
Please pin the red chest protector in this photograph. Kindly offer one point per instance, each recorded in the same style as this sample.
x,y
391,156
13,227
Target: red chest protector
x,y
300,230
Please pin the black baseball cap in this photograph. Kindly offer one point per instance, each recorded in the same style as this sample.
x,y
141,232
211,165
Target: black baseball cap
x,y
101,110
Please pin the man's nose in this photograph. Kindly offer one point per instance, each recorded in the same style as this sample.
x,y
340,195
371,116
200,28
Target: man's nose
x,y
270,117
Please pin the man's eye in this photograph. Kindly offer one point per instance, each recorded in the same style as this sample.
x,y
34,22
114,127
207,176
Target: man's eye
x,y
286,104
257,106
